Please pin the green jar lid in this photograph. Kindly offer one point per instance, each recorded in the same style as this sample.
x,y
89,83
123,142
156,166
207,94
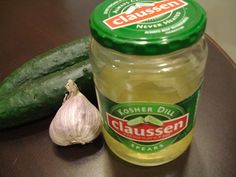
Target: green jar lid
x,y
147,27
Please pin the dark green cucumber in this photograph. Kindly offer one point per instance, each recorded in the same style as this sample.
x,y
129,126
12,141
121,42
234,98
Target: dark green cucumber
x,y
54,60
43,96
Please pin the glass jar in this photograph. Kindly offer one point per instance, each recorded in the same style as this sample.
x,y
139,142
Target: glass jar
x,y
148,72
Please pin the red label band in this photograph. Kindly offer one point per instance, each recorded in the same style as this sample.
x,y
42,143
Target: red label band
x,y
147,132
136,13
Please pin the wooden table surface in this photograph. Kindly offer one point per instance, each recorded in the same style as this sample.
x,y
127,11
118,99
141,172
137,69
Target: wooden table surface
x,y
30,27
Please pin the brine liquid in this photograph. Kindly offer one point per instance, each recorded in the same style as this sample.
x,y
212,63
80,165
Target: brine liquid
x,y
164,80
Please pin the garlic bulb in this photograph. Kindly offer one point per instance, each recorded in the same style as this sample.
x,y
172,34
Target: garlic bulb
x,y
77,121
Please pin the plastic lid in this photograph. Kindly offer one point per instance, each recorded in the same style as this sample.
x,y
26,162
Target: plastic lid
x,y
147,27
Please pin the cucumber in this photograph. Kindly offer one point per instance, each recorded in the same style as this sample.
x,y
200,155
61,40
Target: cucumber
x,y
54,60
153,120
41,97
136,121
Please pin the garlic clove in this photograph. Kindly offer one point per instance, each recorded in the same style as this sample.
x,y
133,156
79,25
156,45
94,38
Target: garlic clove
x,y
76,122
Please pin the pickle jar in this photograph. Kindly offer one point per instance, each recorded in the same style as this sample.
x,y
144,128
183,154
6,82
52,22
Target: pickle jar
x,y
148,59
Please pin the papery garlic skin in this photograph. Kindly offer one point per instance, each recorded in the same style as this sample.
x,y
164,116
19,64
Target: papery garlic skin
x,y
76,122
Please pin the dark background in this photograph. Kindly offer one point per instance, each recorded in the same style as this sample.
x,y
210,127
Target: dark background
x,y
30,27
